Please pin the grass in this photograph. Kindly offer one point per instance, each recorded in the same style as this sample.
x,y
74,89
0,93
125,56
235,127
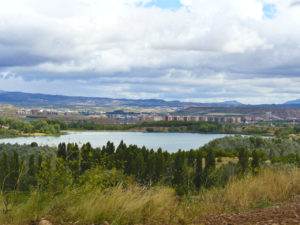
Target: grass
x,y
267,188
158,205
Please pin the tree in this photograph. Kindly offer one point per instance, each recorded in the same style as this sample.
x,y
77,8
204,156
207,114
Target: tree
x,y
14,167
160,164
199,170
62,151
209,169
4,171
180,176
243,160
255,161
31,171
86,157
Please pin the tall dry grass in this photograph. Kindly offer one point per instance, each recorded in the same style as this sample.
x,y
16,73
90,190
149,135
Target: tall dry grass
x,y
133,205
160,205
269,186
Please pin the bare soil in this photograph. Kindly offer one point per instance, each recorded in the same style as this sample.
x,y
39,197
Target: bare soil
x,y
285,213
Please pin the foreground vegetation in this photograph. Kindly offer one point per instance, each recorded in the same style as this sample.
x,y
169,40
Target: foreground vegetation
x,y
129,203
132,185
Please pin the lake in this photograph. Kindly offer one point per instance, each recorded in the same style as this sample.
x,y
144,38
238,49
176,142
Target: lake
x,y
171,142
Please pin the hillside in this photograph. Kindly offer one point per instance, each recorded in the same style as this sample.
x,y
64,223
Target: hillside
x,y
56,101
277,112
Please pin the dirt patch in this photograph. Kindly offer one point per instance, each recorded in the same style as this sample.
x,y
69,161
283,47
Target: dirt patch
x,y
287,213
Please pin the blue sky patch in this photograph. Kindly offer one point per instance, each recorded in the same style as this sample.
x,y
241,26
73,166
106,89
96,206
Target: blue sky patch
x,y
165,4
270,11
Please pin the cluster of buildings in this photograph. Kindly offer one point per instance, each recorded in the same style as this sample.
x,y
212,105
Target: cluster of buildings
x,y
135,117
142,117
205,118
44,112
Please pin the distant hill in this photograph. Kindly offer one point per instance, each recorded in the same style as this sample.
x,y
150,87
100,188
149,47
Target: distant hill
x,y
21,99
277,112
297,101
59,101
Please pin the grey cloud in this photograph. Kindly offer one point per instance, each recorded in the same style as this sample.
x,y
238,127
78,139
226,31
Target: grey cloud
x,y
293,4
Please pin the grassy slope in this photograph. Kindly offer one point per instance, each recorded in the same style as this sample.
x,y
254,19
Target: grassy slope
x,y
160,205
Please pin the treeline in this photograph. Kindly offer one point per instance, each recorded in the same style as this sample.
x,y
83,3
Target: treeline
x,y
191,127
187,172
273,147
14,127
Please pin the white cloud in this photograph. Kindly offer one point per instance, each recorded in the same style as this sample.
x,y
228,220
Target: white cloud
x,y
98,39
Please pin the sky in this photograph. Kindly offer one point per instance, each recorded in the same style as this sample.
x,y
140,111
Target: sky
x,y
187,50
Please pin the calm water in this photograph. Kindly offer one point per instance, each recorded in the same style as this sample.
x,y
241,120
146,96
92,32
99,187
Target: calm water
x,y
167,141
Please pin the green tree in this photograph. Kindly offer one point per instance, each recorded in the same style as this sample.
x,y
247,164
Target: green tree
x,y
199,170
160,164
14,167
243,160
4,171
62,151
255,162
209,169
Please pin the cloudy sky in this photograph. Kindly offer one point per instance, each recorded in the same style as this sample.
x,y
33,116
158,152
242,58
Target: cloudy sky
x,y
188,50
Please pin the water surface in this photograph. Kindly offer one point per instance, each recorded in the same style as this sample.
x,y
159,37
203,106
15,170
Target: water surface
x,y
171,142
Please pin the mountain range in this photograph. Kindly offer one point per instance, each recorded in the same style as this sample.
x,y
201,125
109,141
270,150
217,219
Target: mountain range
x,y
21,99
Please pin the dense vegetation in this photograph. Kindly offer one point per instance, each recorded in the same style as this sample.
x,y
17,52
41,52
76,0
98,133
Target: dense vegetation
x,y
273,147
31,176
10,127
13,127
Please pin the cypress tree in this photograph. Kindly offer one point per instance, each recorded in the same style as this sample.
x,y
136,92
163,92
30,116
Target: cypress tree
x,y
14,166
32,171
210,161
62,151
179,175
210,166
199,170
140,166
86,157
243,160
120,155
4,171
160,164
31,166
255,161
298,160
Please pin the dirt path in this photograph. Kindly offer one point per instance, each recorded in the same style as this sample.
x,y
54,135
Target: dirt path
x,y
288,213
